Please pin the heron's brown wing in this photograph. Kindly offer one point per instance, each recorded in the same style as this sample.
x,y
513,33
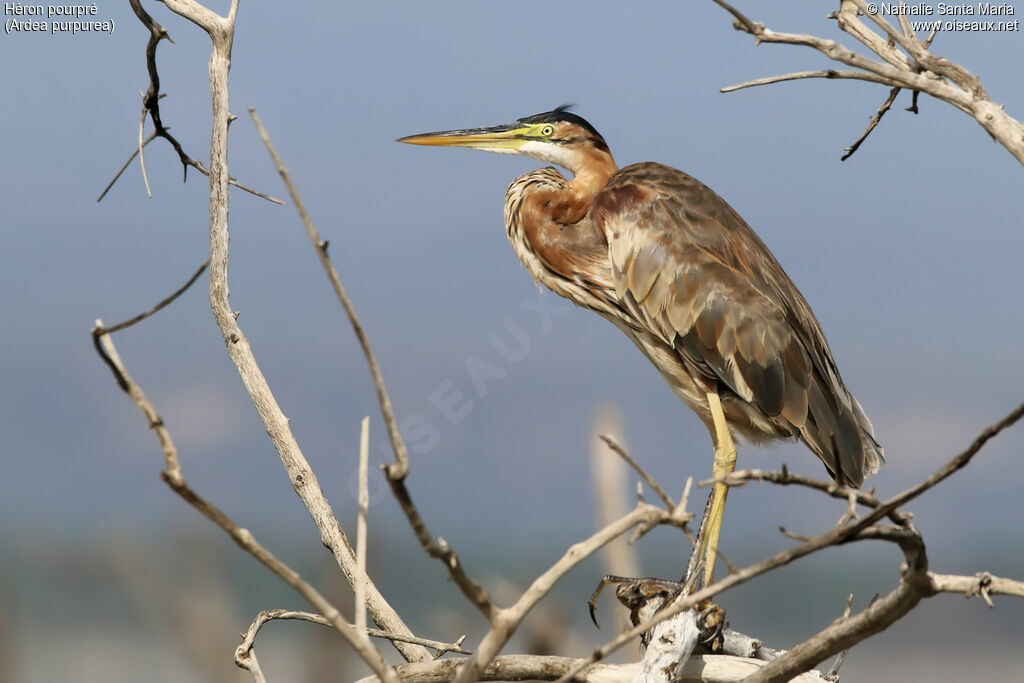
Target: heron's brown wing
x,y
688,268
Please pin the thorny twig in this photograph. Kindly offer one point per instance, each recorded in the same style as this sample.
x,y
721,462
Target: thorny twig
x,y
151,107
875,120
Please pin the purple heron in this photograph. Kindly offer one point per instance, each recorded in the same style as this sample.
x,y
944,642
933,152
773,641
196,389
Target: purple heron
x,y
671,264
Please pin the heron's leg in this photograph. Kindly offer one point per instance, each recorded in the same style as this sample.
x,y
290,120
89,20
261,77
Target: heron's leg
x,y
725,464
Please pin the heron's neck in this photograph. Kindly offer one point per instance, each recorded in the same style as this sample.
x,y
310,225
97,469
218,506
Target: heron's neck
x,y
592,172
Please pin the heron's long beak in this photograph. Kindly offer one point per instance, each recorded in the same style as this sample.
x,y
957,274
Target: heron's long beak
x,y
504,138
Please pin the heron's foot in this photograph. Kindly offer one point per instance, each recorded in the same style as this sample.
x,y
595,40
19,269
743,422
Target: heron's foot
x,y
646,597
637,593
712,624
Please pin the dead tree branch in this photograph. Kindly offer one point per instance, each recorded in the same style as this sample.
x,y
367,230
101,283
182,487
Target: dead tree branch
x,y
397,442
304,481
648,479
175,479
679,511
397,471
505,621
914,68
875,120
981,585
912,588
99,331
364,510
786,478
194,163
263,617
830,74
700,668
151,108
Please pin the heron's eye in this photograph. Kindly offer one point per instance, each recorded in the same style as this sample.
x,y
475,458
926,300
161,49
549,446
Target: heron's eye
x,y
547,131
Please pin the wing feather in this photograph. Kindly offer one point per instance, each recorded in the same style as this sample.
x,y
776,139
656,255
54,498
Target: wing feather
x,y
690,270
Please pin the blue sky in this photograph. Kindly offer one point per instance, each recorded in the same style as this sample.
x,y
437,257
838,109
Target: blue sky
x,y
909,253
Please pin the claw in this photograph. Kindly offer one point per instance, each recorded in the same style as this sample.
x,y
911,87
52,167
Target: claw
x,y
592,608
592,602
711,622
634,594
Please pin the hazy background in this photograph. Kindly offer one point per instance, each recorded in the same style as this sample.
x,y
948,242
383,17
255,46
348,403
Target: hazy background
x,y
909,252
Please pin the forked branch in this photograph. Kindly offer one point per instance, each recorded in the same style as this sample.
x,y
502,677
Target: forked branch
x,y
175,479
905,61
151,109
304,481
397,471
915,584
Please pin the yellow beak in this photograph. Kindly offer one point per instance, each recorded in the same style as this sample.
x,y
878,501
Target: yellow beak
x,y
508,136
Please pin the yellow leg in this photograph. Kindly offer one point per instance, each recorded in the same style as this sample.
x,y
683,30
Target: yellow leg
x,y
725,463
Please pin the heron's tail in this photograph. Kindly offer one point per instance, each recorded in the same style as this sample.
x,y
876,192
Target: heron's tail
x,y
874,456
839,431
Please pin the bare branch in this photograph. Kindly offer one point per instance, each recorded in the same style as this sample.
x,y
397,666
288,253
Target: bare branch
x,y
833,672
263,617
142,156
364,505
174,478
902,598
671,646
151,106
401,466
117,176
796,537
875,120
982,584
922,71
844,633
848,20
99,330
151,98
799,75
441,550
917,583
304,481
650,481
155,309
851,510
954,465
198,165
890,73
709,669
504,622
609,477
913,47
397,471
786,478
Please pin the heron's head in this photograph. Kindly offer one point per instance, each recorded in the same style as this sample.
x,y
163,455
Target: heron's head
x,y
555,137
